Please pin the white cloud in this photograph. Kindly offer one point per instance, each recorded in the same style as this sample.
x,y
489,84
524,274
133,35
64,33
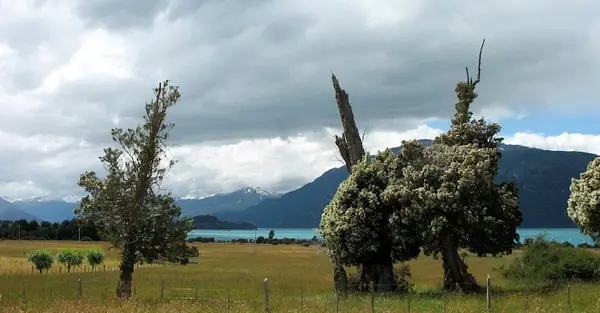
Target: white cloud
x,y
253,77
563,142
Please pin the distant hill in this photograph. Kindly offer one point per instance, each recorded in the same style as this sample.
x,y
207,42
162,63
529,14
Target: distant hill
x,y
11,212
543,178
59,210
211,222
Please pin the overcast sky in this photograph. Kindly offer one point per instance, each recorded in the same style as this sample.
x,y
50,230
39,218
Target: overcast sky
x,y
257,106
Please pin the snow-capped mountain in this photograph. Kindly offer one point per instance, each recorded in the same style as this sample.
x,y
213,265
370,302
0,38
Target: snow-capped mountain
x,y
225,202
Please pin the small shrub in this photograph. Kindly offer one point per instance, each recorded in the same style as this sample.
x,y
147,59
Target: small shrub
x,y
41,259
584,245
70,257
94,257
546,261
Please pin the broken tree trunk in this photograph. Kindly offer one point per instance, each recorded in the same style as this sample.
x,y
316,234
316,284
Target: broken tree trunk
x,y
351,149
349,144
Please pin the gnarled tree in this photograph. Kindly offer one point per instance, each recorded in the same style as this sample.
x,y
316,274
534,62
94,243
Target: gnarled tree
x,y
360,228
127,205
451,192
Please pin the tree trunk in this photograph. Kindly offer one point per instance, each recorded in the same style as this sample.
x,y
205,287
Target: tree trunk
x,y
382,276
340,278
126,272
456,276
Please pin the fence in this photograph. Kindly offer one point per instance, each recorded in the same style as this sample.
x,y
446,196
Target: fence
x,y
278,298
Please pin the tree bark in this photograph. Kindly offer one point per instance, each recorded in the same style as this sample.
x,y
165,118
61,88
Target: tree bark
x,y
456,276
382,276
126,272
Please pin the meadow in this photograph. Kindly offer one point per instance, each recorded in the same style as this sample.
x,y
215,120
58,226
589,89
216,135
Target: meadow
x,y
229,278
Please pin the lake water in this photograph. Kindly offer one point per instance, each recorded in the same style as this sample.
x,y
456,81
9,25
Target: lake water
x,y
572,235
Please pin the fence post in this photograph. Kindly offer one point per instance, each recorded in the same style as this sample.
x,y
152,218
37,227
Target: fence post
x,y
569,297
32,270
337,302
196,293
228,300
301,299
79,288
372,297
526,301
104,267
267,308
60,269
162,289
408,303
488,296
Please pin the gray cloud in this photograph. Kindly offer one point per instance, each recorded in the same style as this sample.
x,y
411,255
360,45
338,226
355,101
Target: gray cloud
x,y
257,69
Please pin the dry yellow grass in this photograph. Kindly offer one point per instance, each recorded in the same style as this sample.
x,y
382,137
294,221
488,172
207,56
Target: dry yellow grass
x,y
300,280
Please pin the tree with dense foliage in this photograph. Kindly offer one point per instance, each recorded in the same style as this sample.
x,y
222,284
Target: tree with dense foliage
x,y
41,259
94,257
70,257
127,205
361,229
271,234
451,192
583,206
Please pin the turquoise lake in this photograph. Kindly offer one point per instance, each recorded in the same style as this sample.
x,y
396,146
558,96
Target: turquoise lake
x,y
572,235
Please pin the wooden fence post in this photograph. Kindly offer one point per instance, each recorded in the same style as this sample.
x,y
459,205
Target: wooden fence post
x,y
372,297
488,296
162,289
569,297
228,300
337,302
79,288
267,307
301,299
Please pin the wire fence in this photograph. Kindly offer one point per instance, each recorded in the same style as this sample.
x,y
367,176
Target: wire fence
x,y
266,297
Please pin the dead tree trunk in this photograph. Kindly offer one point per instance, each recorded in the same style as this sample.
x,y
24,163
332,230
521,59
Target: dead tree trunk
x,y
351,149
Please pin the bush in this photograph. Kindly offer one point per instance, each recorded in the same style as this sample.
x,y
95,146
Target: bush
x,y
94,257
41,259
546,261
70,257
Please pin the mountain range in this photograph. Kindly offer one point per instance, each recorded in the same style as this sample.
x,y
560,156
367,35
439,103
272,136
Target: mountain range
x,y
543,178
58,210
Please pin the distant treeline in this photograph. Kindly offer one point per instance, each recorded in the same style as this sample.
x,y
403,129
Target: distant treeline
x,y
34,230
260,240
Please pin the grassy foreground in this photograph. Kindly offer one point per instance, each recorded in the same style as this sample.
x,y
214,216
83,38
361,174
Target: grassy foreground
x,y
299,279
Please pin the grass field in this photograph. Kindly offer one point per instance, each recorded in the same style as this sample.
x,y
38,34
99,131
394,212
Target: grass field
x,y
300,280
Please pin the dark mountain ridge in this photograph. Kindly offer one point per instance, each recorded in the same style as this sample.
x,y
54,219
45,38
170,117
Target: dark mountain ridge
x,y
543,178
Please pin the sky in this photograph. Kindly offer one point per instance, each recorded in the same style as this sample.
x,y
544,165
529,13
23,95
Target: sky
x,y
257,106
